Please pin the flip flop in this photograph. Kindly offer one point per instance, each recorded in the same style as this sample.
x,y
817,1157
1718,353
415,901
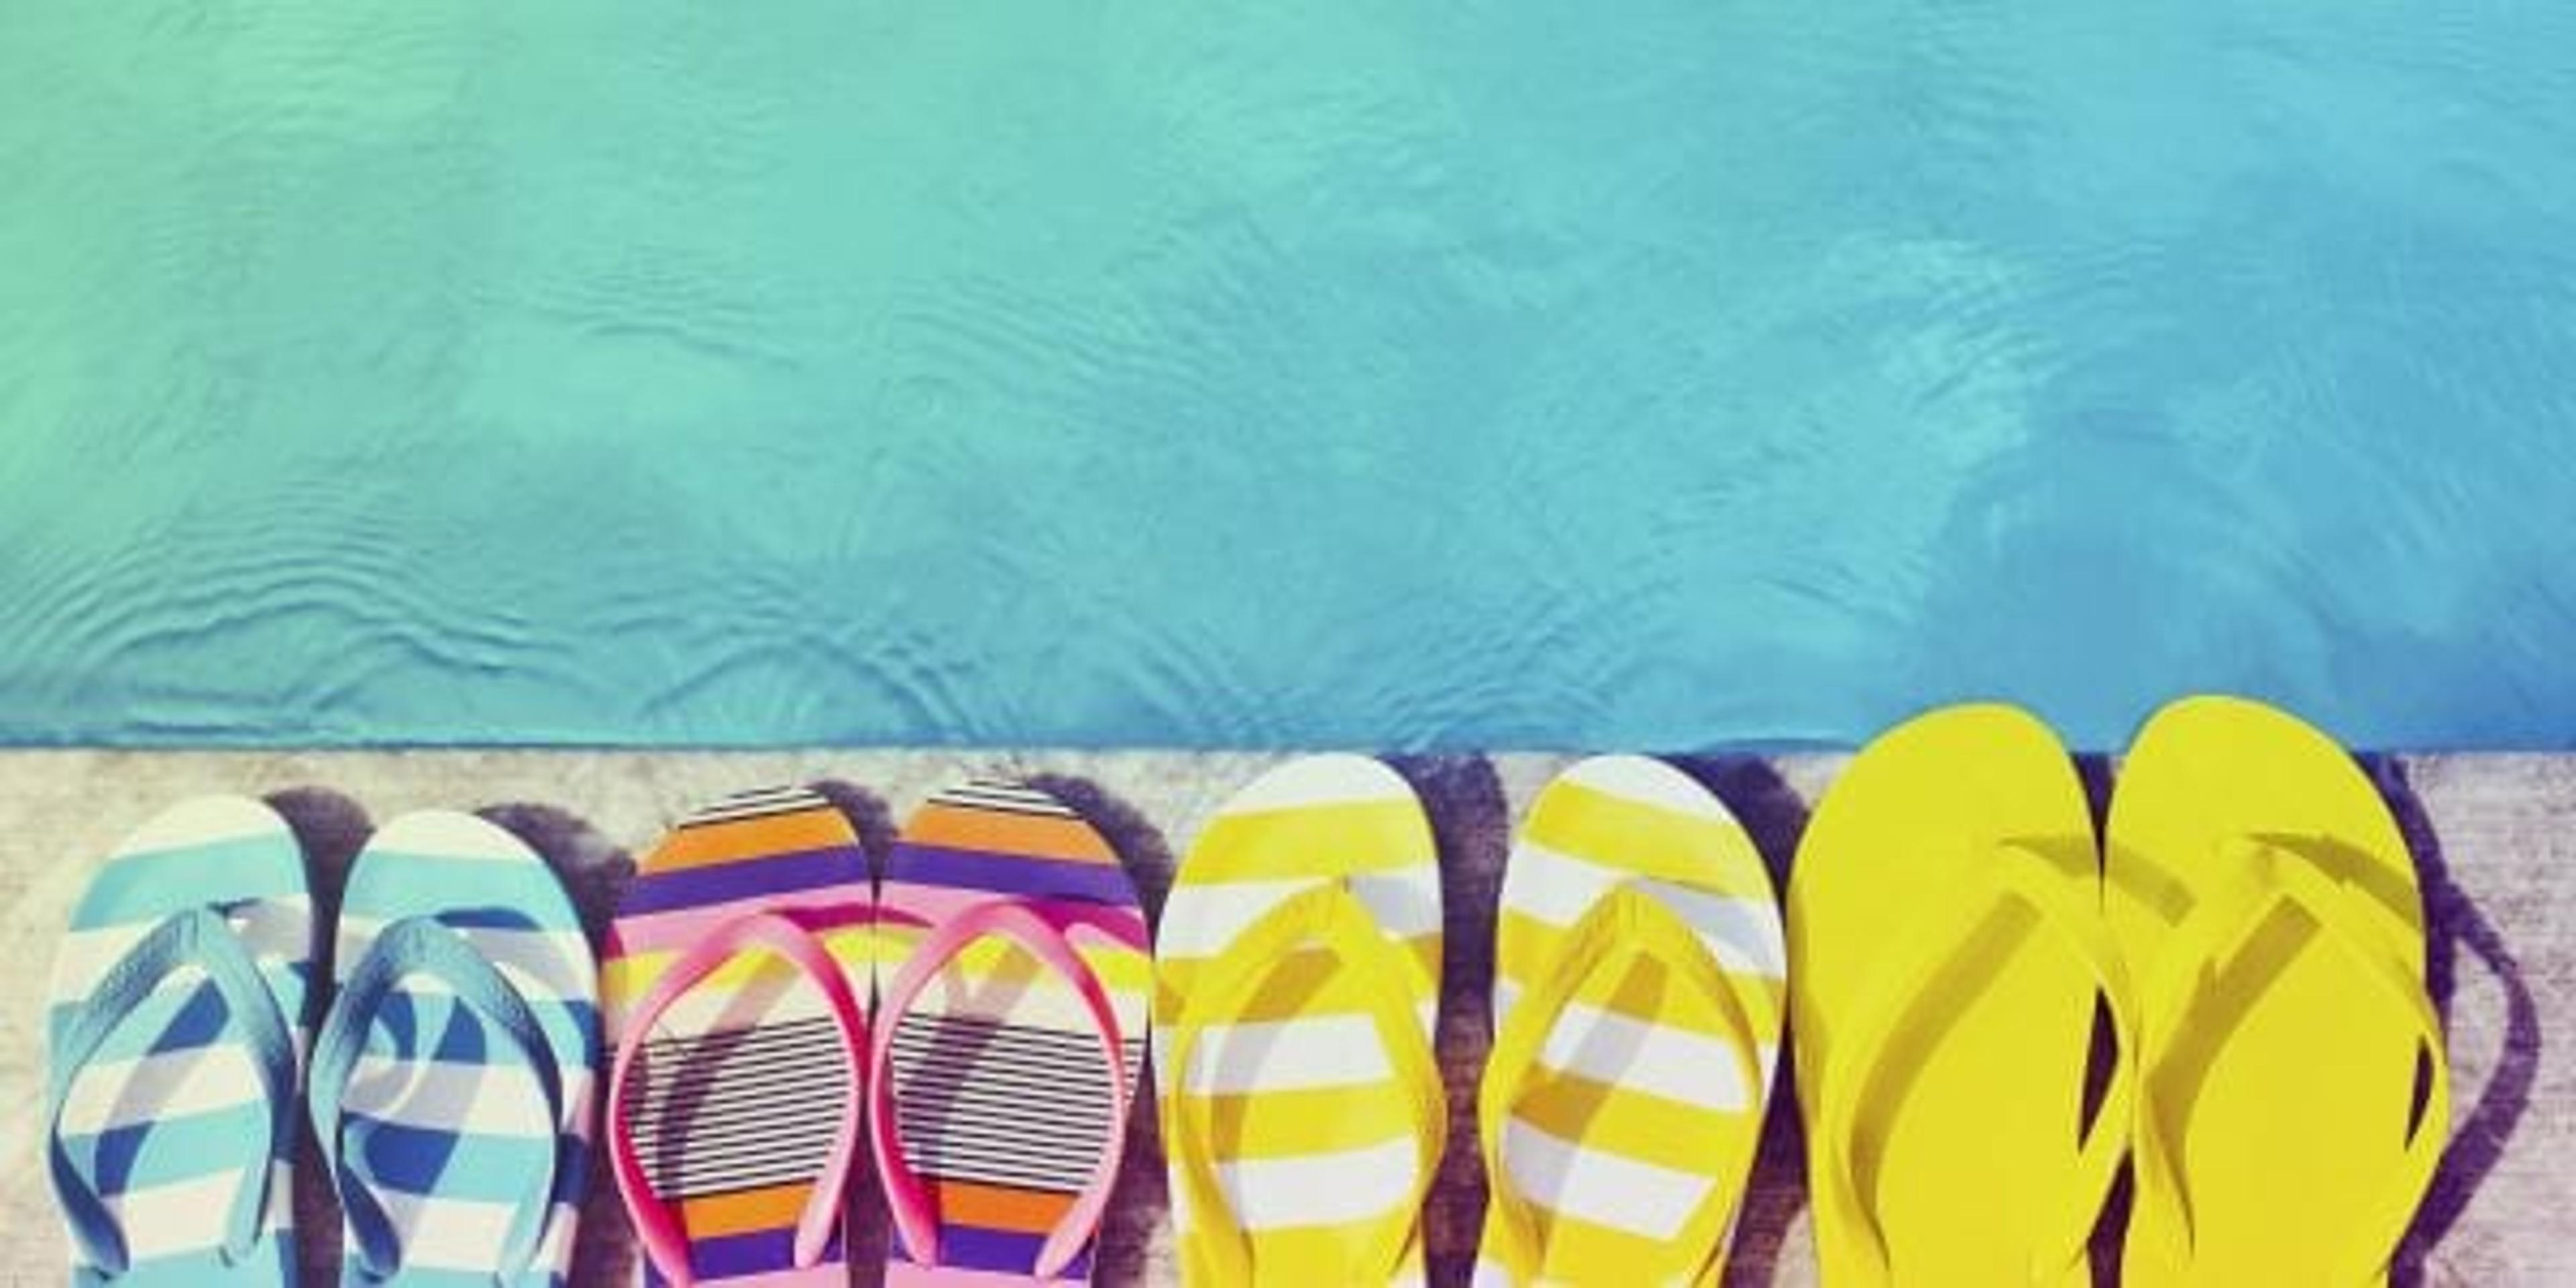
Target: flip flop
x,y
736,982
1639,984
179,1011
1009,1038
1296,988
2269,906
1945,916
452,1081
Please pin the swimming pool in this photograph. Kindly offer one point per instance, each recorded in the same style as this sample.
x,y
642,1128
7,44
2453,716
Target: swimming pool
x,y
1363,374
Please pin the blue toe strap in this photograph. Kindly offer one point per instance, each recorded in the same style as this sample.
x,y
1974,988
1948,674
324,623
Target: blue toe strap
x,y
427,947
202,938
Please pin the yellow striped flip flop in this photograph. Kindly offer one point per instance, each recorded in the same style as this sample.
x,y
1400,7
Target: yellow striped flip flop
x,y
1640,979
2269,908
1945,913
1297,984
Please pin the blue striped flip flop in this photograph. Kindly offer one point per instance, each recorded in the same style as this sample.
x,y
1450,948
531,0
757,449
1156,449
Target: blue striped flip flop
x,y
178,1015
452,1082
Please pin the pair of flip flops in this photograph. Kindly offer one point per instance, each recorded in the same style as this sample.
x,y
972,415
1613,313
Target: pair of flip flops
x,y
448,1086
2252,935
1637,1016
979,1010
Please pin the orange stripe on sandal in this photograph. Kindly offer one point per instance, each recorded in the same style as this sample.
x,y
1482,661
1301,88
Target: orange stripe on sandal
x,y
1000,1207
708,844
744,1211
996,832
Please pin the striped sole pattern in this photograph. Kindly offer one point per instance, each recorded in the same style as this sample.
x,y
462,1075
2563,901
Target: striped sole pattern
x,y
737,1094
1004,1099
161,1117
1313,1147
443,1125
1614,1140
743,1085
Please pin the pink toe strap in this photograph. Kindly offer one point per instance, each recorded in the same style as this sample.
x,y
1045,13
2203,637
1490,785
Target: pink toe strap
x,y
915,1221
657,1227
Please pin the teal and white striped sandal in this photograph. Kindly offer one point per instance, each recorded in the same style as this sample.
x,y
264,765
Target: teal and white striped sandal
x,y
452,1082
176,1033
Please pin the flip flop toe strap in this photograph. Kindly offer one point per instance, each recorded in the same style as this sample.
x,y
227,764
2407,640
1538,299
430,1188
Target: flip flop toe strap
x,y
2024,892
916,1219
664,1240
1623,927
203,939
1328,915
2278,875
425,946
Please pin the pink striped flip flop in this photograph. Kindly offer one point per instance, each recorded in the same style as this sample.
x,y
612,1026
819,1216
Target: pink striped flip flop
x,y
736,979
1011,1038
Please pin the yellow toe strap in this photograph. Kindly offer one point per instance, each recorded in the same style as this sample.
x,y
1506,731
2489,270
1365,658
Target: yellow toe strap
x,y
1625,926
2284,875
1935,976
1330,916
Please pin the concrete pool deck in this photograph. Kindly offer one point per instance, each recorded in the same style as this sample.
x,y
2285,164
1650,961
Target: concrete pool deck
x,y
2495,837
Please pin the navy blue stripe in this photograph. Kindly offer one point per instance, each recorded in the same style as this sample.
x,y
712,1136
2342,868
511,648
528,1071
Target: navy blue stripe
x,y
199,1020
180,1148
436,1028
445,1164
494,918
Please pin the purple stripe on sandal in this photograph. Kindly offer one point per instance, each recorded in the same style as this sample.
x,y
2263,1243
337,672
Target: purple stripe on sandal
x,y
1008,874
775,874
968,1247
735,1255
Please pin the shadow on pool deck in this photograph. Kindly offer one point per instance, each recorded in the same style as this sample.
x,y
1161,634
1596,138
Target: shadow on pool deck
x,y
1776,818
332,829
1139,1204
2482,1132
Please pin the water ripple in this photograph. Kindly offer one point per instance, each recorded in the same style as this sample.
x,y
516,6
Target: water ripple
x,y
1356,374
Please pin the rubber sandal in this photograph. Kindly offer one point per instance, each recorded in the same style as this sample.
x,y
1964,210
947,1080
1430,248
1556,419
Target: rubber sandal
x,y
1639,986
179,1008
1008,1042
2270,908
452,1080
737,979
1945,918
1296,988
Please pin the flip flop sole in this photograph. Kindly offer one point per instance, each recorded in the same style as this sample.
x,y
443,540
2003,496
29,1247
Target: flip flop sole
x,y
1613,1139
1983,1149
1312,1141
444,1127
161,1117
742,1086
2282,1160
999,1077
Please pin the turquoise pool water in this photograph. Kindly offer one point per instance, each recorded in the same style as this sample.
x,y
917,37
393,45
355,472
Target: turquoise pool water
x,y
1389,374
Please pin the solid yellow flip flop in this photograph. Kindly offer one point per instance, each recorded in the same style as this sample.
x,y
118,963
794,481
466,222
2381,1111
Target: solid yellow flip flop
x,y
1638,994
2270,912
1945,916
